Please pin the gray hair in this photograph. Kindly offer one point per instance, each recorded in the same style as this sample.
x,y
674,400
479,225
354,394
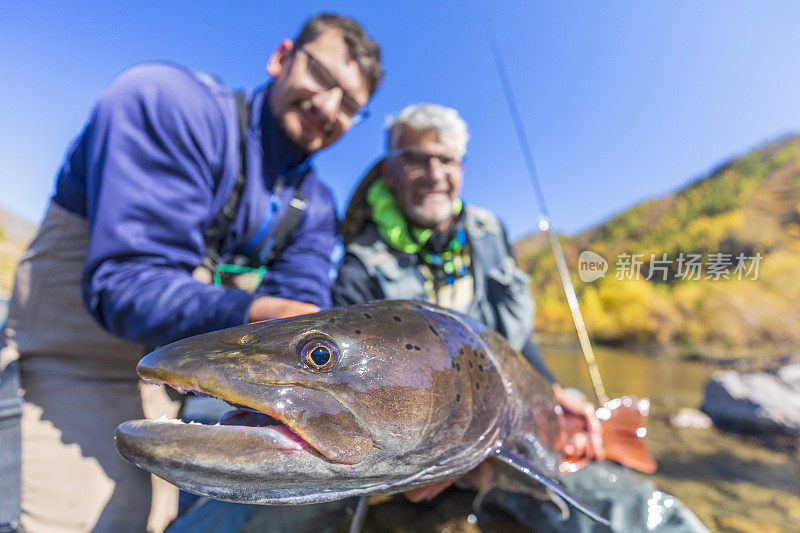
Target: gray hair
x,y
450,128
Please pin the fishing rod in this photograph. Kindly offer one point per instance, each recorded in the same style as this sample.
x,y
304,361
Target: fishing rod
x,y
544,220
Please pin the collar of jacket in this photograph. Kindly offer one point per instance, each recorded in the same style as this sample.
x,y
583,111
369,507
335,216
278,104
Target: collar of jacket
x,y
280,155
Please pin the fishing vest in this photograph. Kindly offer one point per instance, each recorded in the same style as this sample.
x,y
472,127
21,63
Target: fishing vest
x,y
501,298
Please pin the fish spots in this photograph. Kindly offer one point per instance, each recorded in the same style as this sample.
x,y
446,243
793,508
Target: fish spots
x,y
397,318
458,367
470,364
458,397
477,385
409,346
367,316
332,320
357,332
417,348
433,330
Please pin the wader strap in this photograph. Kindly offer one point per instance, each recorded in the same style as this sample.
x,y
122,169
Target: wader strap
x,y
288,223
219,226
11,448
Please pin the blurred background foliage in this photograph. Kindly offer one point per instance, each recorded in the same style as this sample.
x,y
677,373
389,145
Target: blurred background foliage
x,y
749,205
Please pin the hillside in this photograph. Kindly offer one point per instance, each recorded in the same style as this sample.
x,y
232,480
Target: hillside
x,y
747,207
15,233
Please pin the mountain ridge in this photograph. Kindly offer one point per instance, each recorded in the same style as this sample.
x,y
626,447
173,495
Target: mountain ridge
x,y
747,205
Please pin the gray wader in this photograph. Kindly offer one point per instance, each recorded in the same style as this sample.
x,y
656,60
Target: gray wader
x,y
78,383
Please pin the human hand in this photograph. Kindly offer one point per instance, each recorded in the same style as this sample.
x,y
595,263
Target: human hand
x,y
584,435
479,477
273,308
428,492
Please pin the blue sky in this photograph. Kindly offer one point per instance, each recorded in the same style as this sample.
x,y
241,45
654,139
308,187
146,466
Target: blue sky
x,y
622,100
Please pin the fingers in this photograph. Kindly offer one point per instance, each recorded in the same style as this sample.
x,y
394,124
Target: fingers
x,y
576,446
292,308
428,492
594,434
587,441
272,308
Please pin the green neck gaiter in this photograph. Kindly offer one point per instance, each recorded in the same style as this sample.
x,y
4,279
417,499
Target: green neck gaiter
x,y
392,225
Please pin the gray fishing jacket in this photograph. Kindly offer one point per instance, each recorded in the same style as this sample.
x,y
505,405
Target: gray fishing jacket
x,y
501,299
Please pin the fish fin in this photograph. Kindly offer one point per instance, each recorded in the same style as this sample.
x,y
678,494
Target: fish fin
x,y
624,428
477,501
522,466
559,504
359,514
624,423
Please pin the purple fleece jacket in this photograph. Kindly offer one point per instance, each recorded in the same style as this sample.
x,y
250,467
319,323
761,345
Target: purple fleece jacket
x,y
151,170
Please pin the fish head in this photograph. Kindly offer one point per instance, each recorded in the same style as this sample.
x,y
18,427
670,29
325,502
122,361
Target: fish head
x,y
369,398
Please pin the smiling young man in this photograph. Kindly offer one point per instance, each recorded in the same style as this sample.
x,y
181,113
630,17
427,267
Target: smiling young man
x,y
174,182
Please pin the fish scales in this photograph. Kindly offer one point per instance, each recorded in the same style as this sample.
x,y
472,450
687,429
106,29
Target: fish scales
x,y
375,398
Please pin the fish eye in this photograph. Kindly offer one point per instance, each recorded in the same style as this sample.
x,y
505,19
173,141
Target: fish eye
x,y
245,339
320,355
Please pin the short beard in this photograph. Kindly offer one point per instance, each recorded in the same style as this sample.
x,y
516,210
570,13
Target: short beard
x,y
427,219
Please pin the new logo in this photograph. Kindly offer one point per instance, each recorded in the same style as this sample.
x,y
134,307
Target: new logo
x,y
591,266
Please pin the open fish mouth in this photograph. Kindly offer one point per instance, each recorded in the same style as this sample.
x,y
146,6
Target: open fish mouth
x,y
274,432
272,421
283,419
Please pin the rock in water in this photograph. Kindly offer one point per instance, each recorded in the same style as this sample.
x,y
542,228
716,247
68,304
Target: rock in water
x,y
688,417
790,375
752,403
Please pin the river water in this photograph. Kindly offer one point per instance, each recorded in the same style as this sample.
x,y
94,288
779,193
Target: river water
x,y
732,482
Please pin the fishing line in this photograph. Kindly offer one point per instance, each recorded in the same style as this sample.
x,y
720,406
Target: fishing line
x,y
544,220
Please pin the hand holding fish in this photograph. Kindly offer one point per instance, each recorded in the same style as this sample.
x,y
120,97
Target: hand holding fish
x,y
581,429
273,308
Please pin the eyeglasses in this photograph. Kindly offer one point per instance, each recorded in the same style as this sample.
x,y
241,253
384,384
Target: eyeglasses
x,y
418,160
349,106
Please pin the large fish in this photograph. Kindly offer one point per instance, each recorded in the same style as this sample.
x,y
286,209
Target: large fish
x,y
375,398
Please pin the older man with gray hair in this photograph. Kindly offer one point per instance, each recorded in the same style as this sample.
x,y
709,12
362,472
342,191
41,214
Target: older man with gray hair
x,y
408,235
